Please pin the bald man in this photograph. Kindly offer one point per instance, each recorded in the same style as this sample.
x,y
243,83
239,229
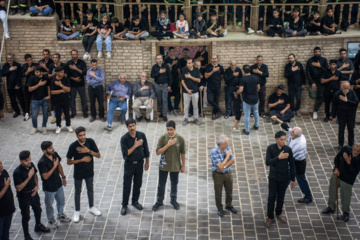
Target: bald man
x,y
345,103
297,143
232,82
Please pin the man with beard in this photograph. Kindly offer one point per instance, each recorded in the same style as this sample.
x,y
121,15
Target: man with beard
x,y
144,95
174,65
46,61
232,81
345,65
355,80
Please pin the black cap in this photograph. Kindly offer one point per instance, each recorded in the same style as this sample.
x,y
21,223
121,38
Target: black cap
x,y
59,69
281,87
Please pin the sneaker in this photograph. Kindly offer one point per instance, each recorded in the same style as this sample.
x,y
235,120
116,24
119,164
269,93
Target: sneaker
x,y
53,121
175,112
315,116
171,112
338,32
185,122
226,116
196,121
260,32
203,36
156,206
33,131
44,131
99,55
63,218
76,217
108,54
41,228
26,117
108,127
326,119
53,223
175,37
70,129
94,211
85,56
235,130
186,37
318,33
250,31
58,130
263,115
7,36
245,132
298,114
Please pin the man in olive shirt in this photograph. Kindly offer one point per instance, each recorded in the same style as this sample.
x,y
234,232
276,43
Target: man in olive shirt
x,y
171,146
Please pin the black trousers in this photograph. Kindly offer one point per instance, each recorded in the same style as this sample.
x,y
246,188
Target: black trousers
x,y
159,35
213,99
82,93
285,118
262,96
61,107
96,93
132,170
295,92
88,42
237,108
328,96
346,119
13,94
27,100
174,179
176,93
273,32
24,204
277,190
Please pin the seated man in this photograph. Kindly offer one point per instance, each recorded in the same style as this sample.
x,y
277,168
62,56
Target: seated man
x,y
67,30
296,25
213,26
119,30
137,30
42,7
314,24
117,93
279,105
144,95
328,23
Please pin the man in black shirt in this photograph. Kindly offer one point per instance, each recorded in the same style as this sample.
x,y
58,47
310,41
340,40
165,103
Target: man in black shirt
x,y
347,167
280,106
355,80
295,74
77,71
119,31
345,65
163,82
232,81
50,170
279,158
203,56
137,29
214,72
276,25
174,65
13,73
28,71
134,148
27,184
260,70
331,79
46,61
190,79
328,24
89,27
344,107
80,154
313,25
56,63
183,60
7,206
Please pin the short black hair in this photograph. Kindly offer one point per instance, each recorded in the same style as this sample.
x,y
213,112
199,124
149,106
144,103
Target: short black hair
x,y
281,87
333,61
296,9
26,56
67,18
23,155
316,12
39,68
58,54
115,20
45,145
213,14
181,13
162,11
46,50
93,60
79,130
170,48
190,59
328,9
342,50
276,10
185,49
171,123
130,121
279,134
135,18
317,48
89,11
291,54
59,69
246,69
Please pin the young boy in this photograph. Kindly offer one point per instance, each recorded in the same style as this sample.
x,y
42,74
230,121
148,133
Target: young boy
x,y
119,30
198,28
162,27
314,24
276,25
137,30
213,26
327,23
67,30
89,27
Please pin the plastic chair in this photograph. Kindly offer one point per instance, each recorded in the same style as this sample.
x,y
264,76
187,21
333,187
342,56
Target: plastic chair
x,y
143,107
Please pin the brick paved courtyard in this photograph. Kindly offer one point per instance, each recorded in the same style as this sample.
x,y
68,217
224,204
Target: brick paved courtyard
x,y
197,217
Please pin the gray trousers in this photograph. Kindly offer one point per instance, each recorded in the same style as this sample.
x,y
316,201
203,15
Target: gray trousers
x,y
162,97
82,93
194,98
138,102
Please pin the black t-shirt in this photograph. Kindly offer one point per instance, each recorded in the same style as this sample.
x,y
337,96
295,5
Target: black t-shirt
x,y
42,91
52,68
67,28
276,21
205,56
174,69
92,28
104,27
135,28
25,67
274,98
7,205
47,64
250,92
119,28
1,7
82,170
20,175
190,84
62,97
333,84
327,21
214,81
53,183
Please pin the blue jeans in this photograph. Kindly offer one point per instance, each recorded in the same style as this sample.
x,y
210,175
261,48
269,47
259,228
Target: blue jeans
x,y
35,111
99,42
301,178
5,223
60,202
113,104
247,108
132,36
229,97
45,12
66,37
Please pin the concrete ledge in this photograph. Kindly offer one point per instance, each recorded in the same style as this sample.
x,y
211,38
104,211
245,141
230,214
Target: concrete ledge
x,y
27,17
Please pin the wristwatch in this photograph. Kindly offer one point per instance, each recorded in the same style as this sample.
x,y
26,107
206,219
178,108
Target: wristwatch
x,y
64,177
89,152
60,85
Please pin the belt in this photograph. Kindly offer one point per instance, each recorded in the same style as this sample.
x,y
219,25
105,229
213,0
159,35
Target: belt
x,y
300,159
96,86
221,172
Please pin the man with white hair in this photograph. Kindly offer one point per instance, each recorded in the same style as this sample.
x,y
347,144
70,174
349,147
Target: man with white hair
x,y
144,95
297,143
221,161
117,92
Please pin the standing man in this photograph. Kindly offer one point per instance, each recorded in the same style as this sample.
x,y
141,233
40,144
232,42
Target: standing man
x,y
295,74
144,95
50,170
81,154
203,56
355,80
232,81
344,108
46,61
134,148
260,70
28,69
95,77
57,62
214,72
249,87
279,158
346,169
221,161
171,147
190,79
77,71
13,73
344,65
163,82
315,67
174,65
26,184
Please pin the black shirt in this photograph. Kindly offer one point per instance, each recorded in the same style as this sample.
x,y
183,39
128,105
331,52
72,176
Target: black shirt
x,y
355,76
25,67
295,78
250,91
276,21
80,64
296,26
1,7
53,183
92,28
82,170
327,21
20,175
191,84
52,68
279,168
205,55
104,27
214,81
230,79
174,70
119,29
314,27
343,109
161,78
265,73
136,28
46,63
141,152
7,205
333,84
274,98
13,78
183,63
62,97
348,172
41,92
314,73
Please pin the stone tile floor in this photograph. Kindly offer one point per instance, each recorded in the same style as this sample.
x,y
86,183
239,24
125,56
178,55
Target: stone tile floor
x,y
197,217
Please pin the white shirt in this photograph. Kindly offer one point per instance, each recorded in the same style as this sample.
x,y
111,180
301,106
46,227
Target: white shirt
x,y
298,146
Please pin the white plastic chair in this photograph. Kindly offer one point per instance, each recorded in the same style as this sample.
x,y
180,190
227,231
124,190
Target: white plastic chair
x,y
143,107
118,109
